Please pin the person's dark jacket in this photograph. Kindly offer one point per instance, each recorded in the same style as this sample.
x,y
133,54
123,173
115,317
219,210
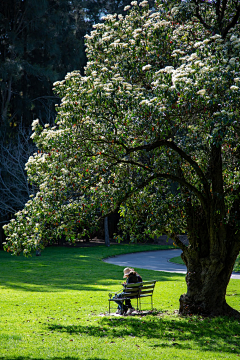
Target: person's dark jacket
x,y
134,278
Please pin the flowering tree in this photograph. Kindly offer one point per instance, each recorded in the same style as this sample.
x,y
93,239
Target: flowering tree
x,y
153,129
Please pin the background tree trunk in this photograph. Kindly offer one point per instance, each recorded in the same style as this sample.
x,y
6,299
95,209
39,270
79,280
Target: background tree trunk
x,y
107,240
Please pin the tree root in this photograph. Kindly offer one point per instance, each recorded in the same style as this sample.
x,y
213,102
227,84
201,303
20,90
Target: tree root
x,y
189,308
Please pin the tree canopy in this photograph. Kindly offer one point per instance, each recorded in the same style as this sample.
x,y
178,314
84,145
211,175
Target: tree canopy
x,y
151,128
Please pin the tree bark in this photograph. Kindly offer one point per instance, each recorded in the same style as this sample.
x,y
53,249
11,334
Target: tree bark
x,y
214,244
6,97
207,280
107,240
209,269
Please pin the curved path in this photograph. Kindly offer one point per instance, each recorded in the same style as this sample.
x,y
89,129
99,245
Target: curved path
x,y
153,260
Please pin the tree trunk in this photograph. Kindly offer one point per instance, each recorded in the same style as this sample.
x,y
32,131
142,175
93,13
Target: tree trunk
x,y
209,270
207,280
107,240
6,97
214,243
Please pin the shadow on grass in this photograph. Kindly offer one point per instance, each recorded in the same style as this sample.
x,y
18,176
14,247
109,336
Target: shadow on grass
x,y
61,268
218,334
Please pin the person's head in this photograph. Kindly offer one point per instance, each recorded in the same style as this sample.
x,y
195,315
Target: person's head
x,y
127,271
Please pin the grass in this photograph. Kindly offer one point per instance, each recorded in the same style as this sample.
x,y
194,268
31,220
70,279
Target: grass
x,y
178,260
237,264
53,306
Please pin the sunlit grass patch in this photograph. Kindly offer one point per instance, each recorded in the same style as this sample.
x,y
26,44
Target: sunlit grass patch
x,y
237,264
177,260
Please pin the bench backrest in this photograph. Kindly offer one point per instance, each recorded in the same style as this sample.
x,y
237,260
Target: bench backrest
x,y
144,288
147,288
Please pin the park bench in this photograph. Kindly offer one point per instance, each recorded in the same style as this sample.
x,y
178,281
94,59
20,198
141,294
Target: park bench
x,y
135,291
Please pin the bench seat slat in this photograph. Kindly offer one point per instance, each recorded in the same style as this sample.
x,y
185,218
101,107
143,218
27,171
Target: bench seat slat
x,y
135,293
146,292
132,290
133,285
148,287
122,299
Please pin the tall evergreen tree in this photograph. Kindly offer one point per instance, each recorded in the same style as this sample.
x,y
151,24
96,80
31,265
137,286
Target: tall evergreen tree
x,y
95,9
40,42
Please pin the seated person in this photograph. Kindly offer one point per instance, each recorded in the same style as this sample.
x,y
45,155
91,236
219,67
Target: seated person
x,y
132,277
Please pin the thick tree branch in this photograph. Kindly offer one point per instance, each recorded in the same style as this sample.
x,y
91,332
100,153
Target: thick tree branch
x,y
176,239
232,23
220,10
199,17
181,153
224,5
217,7
156,176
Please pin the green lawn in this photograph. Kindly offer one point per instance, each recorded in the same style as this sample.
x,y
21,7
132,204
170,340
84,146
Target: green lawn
x,y
237,264
53,306
177,260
